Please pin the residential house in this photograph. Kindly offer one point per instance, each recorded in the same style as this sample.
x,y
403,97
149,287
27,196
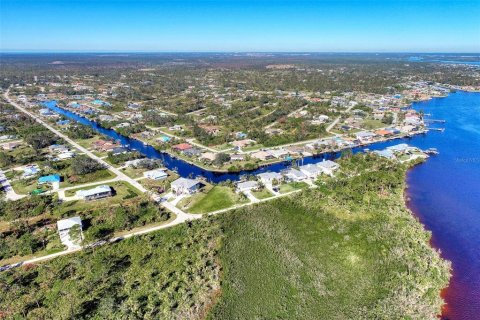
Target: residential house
x,y
365,136
310,170
64,156
53,178
95,193
242,143
262,155
185,186
279,153
294,175
156,174
119,150
58,148
212,130
209,156
105,118
176,128
247,186
383,133
192,152
63,122
182,147
105,146
30,171
328,166
385,153
269,177
237,157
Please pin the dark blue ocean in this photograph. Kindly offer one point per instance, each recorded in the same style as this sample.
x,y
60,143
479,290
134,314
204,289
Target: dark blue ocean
x,y
444,192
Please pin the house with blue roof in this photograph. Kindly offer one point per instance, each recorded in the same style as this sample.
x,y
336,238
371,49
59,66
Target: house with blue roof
x,y
63,122
49,179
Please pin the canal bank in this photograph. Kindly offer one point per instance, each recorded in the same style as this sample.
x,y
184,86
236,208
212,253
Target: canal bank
x,y
186,169
443,192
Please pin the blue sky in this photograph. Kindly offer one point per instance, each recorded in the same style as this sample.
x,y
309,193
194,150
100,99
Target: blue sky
x,y
248,25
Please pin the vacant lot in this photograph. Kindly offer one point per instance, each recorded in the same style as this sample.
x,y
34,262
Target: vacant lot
x,y
219,197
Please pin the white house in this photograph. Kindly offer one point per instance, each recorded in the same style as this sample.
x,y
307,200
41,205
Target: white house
x,y
268,177
295,175
64,226
95,193
247,186
65,155
310,170
185,186
156,174
365,136
278,153
328,166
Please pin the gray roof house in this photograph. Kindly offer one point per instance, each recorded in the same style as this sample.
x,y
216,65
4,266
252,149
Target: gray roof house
x,y
328,166
95,193
295,175
268,177
310,170
185,186
247,186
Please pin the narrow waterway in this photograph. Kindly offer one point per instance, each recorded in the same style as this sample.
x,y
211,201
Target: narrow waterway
x,y
186,169
444,192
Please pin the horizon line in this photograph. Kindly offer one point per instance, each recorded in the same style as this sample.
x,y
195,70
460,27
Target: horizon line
x,y
14,51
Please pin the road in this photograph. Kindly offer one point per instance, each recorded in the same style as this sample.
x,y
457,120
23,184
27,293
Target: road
x,y
120,175
10,193
180,216
334,123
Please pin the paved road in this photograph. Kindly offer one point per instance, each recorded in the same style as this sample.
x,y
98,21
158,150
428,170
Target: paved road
x,y
121,176
181,216
334,123
10,193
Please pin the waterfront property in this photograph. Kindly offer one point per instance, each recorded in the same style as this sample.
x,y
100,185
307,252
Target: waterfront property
x,y
247,186
185,186
311,171
156,174
269,177
294,175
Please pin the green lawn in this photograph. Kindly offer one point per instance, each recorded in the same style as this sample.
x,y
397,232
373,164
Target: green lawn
x,y
262,194
123,191
87,178
219,197
133,172
25,186
370,124
121,188
292,186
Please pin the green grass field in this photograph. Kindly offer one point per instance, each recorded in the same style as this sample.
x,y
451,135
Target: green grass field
x,y
370,124
262,194
219,197
292,186
87,178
